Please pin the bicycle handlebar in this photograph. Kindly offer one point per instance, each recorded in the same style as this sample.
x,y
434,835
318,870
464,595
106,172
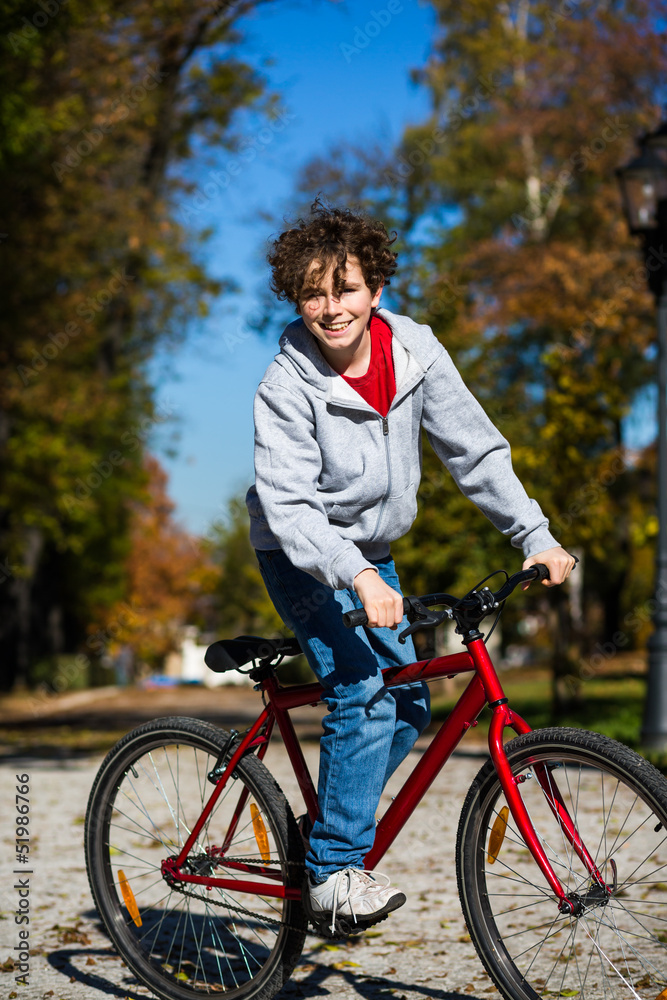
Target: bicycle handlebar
x,y
352,619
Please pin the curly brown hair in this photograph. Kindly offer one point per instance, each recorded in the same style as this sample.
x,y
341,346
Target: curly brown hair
x,y
330,236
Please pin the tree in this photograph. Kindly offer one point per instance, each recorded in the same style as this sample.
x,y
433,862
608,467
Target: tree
x,y
241,602
168,577
100,107
513,248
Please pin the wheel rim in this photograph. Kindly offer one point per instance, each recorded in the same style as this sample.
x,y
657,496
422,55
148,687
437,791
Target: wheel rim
x,y
192,945
618,946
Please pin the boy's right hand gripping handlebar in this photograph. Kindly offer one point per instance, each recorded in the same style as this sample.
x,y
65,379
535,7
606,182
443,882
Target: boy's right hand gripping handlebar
x,y
416,608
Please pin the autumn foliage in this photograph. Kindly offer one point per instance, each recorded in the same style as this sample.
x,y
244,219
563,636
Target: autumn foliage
x,y
168,577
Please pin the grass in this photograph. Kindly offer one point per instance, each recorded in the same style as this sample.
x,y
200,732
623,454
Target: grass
x,y
611,703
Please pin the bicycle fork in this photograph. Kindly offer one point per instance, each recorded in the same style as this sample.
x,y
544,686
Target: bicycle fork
x,y
571,904
504,717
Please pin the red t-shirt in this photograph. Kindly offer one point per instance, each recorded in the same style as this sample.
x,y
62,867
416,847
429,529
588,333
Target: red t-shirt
x,y
378,385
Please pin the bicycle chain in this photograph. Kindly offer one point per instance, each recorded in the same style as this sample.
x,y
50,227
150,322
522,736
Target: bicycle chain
x,y
174,884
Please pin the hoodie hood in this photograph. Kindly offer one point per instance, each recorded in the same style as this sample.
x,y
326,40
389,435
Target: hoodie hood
x,y
301,357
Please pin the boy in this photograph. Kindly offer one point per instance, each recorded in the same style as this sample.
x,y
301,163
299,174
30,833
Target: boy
x,y
338,418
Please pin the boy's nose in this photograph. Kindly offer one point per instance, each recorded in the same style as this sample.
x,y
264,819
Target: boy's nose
x,y
332,304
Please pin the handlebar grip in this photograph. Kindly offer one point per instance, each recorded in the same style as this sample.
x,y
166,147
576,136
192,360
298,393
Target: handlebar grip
x,y
542,571
353,618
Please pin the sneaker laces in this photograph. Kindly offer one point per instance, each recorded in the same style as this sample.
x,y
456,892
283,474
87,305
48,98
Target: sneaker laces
x,y
340,898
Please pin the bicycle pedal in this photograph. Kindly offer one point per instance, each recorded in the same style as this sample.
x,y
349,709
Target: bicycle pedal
x,y
344,927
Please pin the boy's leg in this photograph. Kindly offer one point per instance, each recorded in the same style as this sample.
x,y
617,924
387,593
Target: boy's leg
x,y
359,730
413,712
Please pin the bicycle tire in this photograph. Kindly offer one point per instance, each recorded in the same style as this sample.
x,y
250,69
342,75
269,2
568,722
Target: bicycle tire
x,y
147,795
618,802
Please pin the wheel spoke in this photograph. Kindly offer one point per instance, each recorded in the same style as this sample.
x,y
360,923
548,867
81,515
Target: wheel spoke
x,y
186,940
615,948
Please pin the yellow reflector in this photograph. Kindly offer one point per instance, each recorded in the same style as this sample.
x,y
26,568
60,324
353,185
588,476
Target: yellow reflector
x,y
260,832
662,996
128,896
497,834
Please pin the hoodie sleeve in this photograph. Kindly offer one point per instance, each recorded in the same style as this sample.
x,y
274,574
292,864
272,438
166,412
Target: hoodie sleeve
x,y
287,467
478,457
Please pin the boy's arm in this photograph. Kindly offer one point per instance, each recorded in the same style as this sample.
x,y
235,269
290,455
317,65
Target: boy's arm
x,y
479,459
287,467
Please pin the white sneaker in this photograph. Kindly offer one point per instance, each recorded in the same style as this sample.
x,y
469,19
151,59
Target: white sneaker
x,y
351,899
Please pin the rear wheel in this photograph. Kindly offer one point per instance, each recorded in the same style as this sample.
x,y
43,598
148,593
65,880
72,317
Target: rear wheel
x,y
147,796
617,947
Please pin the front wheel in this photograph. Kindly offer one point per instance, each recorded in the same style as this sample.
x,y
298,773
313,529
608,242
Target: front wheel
x,y
617,947
147,796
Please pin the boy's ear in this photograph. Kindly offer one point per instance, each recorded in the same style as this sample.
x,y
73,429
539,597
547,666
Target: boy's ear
x,y
376,298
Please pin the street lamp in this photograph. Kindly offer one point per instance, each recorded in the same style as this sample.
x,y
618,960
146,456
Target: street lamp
x,y
643,184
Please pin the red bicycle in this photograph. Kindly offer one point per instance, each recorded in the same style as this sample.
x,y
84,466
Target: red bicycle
x,y
196,861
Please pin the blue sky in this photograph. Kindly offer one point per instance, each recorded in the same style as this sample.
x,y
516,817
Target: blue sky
x,y
332,95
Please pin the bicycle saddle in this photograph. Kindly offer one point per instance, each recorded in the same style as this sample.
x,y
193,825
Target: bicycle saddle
x,y
230,654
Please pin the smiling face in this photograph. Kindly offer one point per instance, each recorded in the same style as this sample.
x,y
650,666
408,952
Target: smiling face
x,y
340,322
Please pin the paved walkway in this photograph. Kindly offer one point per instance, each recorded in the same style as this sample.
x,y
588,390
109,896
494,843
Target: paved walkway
x,y
421,951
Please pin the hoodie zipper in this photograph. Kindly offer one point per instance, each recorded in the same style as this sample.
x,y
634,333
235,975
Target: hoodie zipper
x,y
385,434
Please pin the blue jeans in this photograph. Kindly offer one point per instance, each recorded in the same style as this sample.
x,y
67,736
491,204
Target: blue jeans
x,y
369,728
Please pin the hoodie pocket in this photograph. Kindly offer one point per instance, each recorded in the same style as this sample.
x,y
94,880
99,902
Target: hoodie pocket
x,y
349,513
397,514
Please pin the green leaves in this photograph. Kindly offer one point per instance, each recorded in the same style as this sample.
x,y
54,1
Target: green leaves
x,y
102,103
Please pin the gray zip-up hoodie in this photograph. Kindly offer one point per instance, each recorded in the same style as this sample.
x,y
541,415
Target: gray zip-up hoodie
x,y
335,482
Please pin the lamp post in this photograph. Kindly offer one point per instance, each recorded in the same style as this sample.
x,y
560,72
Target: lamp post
x,y
643,184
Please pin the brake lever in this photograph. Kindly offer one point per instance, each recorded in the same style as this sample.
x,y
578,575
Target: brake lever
x,y
420,617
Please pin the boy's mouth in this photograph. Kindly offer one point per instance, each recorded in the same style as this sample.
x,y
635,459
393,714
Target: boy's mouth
x,y
336,327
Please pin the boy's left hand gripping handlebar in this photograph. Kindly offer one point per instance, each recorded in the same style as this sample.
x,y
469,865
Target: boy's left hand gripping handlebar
x,y
351,619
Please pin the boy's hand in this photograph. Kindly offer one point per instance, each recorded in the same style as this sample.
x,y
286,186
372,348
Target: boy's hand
x,y
382,604
559,563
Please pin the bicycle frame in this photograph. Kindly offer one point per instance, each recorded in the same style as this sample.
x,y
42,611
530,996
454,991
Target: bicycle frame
x,y
484,688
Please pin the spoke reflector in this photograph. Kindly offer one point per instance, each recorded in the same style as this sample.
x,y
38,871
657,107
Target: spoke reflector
x,y
497,834
128,896
662,996
261,835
